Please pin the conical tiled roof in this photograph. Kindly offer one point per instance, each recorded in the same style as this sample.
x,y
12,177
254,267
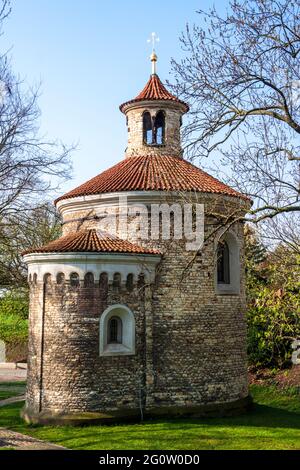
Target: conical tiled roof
x,y
152,173
154,90
91,241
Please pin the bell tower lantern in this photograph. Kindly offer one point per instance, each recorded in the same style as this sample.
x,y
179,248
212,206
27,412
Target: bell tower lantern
x,y
154,119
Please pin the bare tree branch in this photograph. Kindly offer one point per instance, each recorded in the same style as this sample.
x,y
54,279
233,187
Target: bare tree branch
x,y
241,76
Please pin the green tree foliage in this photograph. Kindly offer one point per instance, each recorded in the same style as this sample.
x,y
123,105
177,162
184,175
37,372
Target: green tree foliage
x,y
273,290
40,226
13,316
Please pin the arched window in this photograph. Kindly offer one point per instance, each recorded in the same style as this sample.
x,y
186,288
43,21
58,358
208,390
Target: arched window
x,y
60,278
141,285
228,265
141,280
147,128
74,280
117,281
159,128
223,266
114,330
103,284
129,282
47,278
117,331
89,280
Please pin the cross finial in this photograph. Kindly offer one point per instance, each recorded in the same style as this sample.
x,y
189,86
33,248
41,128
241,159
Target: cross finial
x,y
153,39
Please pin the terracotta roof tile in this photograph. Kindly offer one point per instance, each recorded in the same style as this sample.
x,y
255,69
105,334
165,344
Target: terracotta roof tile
x,y
91,241
152,173
154,90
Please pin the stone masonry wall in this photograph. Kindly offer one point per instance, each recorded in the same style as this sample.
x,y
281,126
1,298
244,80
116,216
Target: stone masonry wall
x,y
190,341
172,145
74,377
200,337
34,346
81,219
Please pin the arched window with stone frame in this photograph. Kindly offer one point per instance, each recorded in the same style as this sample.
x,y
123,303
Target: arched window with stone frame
x,y
223,267
117,331
227,272
147,128
159,128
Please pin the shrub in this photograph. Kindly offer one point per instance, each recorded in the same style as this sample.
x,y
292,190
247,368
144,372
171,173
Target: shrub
x,y
273,292
13,316
272,325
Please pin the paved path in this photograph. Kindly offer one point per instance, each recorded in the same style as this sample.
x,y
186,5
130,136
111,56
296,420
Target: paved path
x,y
15,440
12,374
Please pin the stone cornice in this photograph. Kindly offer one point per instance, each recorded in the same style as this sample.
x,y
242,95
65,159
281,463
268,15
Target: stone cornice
x,y
82,263
100,201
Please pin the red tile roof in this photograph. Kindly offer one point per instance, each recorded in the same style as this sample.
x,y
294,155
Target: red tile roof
x,y
152,173
91,241
155,90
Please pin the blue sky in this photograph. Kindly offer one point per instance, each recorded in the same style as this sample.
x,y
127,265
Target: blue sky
x,y
91,56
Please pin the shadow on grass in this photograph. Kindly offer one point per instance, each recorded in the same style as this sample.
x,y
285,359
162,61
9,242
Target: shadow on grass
x,y
262,416
264,427
259,416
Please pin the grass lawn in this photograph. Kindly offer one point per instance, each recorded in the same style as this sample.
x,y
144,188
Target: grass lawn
x,y
273,424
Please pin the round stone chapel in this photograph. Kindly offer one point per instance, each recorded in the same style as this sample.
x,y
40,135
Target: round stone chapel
x,y
129,317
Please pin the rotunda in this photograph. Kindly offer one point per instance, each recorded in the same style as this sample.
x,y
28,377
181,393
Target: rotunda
x,y
129,317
